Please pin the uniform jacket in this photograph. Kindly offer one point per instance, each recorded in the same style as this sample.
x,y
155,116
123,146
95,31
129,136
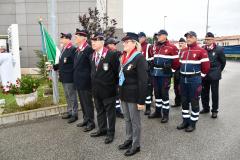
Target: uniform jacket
x,y
165,59
82,67
134,88
194,62
217,62
105,75
65,65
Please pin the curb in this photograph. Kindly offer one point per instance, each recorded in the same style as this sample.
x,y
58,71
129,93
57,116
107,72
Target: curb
x,y
31,114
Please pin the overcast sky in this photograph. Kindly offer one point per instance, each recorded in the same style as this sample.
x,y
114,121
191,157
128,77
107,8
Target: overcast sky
x,y
182,16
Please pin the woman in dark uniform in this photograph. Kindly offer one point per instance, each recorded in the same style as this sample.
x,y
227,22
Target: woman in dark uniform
x,y
133,88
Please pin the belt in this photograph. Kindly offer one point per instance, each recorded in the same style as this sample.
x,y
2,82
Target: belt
x,y
157,68
190,75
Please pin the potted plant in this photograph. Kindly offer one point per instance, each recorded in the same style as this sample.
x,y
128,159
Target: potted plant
x,y
24,90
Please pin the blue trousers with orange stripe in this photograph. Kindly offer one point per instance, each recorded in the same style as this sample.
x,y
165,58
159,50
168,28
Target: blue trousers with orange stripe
x,y
161,90
190,89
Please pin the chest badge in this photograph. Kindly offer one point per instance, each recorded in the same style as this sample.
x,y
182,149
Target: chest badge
x,y
166,50
213,53
194,55
105,66
65,60
129,67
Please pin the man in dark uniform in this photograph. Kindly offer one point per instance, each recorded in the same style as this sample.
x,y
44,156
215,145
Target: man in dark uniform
x,y
104,74
194,64
145,51
176,77
111,44
65,68
217,63
82,79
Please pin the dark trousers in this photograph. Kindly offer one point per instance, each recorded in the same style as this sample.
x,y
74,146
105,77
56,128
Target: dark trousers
x,y
85,97
214,85
106,114
176,81
161,90
148,100
190,94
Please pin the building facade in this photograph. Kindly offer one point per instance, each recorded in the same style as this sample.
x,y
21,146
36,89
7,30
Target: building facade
x,y
26,14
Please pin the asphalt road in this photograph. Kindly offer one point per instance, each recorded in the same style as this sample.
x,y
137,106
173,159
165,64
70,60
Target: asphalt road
x,y
214,139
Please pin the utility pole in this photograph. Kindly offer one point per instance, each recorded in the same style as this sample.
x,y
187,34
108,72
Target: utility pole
x,y
207,15
164,22
53,34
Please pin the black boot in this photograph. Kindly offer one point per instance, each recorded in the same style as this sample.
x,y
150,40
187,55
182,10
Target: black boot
x,y
148,109
214,114
191,127
164,119
73,119
66,116
127,144
183,125
156,114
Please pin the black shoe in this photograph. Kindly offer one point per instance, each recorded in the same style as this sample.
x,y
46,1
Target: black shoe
x,y
214,115
147,111
98,134
66,116
176,105
82,124
73,119
89,128
204,111
164,120
119,115
109,139
183,125
125,145
131,151
155,115
190,128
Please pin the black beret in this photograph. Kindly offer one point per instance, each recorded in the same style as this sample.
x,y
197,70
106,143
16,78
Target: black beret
x,y
81,32
162,31
182,40
98,36
141,34
111,41
66,35
130,36
191,33
209,34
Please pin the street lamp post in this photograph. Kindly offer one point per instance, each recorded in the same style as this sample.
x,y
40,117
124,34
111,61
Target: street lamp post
x,y
164,22
53,33
207,16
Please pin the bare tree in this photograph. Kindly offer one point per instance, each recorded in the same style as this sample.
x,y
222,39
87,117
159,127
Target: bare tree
x,y
94,22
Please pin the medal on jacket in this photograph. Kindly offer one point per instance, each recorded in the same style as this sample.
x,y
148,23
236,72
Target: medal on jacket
x,y
65,60
129,67
105,66
213,53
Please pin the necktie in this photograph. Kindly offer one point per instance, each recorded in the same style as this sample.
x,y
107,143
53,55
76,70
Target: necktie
x,y
97,59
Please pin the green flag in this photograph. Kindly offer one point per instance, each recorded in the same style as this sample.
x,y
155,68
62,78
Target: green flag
x,y
49,47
